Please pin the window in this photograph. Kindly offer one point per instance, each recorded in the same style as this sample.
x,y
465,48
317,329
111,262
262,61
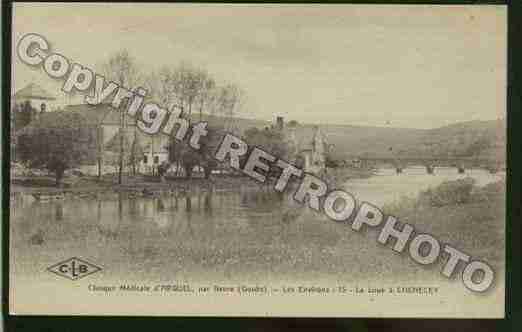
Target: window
x,y
145,159
156,159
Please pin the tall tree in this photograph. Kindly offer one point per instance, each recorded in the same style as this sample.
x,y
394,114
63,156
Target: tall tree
x,y
122,68
206,94
53,150
229,102
192,88
187,87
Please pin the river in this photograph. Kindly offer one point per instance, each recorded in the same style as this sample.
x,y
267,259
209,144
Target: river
x,y
386,186
197,231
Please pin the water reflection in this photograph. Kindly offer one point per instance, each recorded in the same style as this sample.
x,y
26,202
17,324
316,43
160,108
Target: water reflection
x,y
58,208
152,231
109,216
208,204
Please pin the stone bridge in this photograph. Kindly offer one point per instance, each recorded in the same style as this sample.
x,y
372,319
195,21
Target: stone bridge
x,y
461,164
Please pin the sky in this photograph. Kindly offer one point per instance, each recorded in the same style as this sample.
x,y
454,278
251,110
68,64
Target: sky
x,y
400,66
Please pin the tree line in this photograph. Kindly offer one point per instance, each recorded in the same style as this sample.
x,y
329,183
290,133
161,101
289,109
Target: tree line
x,y
184,85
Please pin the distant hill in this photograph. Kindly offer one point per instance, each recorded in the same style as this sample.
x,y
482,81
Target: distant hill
x,y
477,139
356,141
480,139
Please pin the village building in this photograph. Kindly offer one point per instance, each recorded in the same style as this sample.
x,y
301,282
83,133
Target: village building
x,y
27,103
36,96
152,151
99,135
97,131
311,152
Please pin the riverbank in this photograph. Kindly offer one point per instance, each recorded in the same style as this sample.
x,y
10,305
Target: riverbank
x,y
130,184
338,176
153,185
462,214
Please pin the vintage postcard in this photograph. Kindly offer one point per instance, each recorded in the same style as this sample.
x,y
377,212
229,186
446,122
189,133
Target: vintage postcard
x,y
283,160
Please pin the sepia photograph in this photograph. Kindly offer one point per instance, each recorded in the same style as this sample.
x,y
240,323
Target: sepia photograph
x,y
253,160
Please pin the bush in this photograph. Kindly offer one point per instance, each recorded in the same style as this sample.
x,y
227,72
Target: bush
x,y
491,192
397,207
448,193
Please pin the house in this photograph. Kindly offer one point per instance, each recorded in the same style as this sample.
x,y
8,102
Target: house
x,y
26,104
152,150
99,136
312,153
155,152
36,96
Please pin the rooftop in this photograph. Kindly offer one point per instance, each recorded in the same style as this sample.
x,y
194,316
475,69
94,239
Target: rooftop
x,y
33,91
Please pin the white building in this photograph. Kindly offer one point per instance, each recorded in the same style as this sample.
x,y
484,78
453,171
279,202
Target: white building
x,y
155,152
36,96
153,149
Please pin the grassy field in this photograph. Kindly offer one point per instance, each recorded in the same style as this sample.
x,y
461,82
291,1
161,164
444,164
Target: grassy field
x,y
458,213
